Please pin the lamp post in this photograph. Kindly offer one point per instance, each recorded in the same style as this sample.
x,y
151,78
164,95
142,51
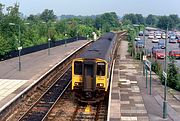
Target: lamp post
x,y
77,35
19,42
65,40
165,77
49,38
19,48
49,45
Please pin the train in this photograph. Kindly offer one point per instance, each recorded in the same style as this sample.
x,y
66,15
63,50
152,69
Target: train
x,y
91,69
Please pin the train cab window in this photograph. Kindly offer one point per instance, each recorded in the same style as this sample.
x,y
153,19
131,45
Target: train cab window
x,y
101,69
89,69
78,68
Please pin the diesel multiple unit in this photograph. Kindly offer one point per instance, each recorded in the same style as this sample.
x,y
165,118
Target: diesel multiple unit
x,y
91,69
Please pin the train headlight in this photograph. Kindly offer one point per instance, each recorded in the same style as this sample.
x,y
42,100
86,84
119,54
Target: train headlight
x,y
100,85
77,84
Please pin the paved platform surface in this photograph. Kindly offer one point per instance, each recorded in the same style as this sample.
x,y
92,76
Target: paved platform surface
x,y
130,99
34,65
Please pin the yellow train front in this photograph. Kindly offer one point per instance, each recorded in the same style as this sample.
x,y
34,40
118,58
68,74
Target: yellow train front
x,y
91,70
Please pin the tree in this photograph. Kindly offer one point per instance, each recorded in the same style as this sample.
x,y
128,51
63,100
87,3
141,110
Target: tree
x,y
140,19
48,15
165,22
130,17
151,20
175,18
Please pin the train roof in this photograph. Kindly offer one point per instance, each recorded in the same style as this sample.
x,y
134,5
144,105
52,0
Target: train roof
x,y
100,48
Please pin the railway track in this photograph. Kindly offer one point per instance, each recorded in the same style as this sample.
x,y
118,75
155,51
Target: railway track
x,y
45,103
98,112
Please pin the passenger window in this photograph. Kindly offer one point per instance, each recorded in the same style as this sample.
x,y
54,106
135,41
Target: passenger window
x,y
78,68
101,69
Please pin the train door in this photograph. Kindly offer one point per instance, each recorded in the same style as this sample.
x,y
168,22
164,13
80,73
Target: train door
x,y
89,76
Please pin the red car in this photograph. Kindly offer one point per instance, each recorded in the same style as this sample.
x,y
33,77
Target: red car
x,y
175,53
178,40
159,54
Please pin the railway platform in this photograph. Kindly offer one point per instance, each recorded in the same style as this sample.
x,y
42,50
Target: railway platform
x,y
34,66
130,99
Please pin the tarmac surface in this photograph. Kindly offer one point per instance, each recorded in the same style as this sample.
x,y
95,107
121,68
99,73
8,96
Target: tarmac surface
x,y
34,65
131,100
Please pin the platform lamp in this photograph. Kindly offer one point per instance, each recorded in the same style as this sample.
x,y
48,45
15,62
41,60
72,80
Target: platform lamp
x,y
19,42
49,38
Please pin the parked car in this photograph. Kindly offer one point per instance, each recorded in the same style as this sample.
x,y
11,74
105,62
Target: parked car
x,y
178,40
163,36
174,53
148,53
158,36
154,48
137,38
161,44
172,40
151,36
155,40
141,33
146,33
140,44
172,37
159,54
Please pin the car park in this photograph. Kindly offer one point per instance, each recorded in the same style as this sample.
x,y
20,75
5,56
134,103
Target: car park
x,y
174,53
161,44
155,40
159,54
140,44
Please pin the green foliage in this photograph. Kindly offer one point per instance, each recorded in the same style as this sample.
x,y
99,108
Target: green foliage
x,y
157,68
107,22
151,20
48,15
134,18
172,74
4,46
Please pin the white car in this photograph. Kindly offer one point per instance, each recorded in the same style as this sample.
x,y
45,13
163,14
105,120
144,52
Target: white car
x,y
163,36
151,36
155,40
137,38
158,36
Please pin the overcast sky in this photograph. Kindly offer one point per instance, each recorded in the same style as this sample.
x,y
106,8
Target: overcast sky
x,y
93,7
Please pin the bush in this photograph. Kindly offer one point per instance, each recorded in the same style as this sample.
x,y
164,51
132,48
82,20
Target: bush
x,y
172,75
157,68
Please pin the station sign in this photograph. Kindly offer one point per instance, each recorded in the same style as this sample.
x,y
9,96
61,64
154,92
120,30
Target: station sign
x,y
164,74
20,48
144,57
148,63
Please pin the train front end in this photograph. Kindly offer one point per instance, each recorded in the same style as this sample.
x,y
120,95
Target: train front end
x,y
89,79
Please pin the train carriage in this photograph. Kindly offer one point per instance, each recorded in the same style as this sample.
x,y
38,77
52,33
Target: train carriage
x,y
91,69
